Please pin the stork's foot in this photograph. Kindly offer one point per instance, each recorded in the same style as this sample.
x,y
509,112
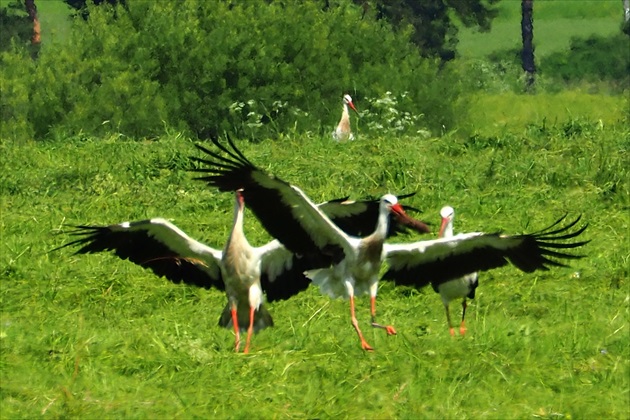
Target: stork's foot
x,y
365,346
452,331
462,330
246,346
390,330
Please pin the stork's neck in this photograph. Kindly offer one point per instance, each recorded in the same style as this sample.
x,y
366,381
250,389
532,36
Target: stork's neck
x,y
237,235
447,229
345,112
383,223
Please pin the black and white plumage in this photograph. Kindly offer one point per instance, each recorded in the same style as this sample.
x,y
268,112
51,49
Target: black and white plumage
x,y
459,288
159,245
291,217
440,260
350,264
241,270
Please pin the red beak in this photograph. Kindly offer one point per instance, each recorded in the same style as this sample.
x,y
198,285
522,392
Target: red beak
x,y
443,226
403,218
352,106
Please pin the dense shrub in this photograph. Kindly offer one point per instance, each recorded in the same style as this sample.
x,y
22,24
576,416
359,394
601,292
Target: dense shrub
x,y
588,60
203,66
593,59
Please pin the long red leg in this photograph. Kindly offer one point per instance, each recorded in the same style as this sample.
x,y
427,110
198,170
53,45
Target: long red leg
x,y
448,318
237,333
462,327
390,330
250,329
355,324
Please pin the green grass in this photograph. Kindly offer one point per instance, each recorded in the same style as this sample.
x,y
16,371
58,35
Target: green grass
x,y
93,336
555,23
55,20
511,112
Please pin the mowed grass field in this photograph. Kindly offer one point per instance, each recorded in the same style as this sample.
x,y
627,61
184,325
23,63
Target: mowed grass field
x,y
92,336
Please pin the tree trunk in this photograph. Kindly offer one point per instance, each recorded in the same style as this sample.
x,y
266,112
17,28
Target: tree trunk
x,y
31,9
527,31
626,10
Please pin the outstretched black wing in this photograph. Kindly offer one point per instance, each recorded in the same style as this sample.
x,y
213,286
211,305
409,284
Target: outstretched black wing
x,y
436,261
283,209
158,245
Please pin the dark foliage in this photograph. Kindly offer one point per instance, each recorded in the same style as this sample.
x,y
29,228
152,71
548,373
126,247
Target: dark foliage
x,y
435,30
594,58
15,25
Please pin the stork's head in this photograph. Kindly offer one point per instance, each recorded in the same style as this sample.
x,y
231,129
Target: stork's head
x,y
447,212
392,204
347,100
239,197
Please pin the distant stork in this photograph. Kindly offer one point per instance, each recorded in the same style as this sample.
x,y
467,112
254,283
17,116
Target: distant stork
x,y
241,270
343,131
291,217
458,288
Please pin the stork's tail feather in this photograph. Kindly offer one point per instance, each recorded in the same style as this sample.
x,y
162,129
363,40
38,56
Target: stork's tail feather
x,y
262,318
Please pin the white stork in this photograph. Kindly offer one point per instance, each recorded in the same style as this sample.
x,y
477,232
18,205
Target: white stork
x,y
447,263
291,217
343,131
458,288
241,270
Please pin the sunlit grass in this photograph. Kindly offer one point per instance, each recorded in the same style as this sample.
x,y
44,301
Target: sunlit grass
x,y
93,336
514,112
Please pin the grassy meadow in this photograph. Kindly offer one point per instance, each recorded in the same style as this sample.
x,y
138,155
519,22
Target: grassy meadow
x,y
92,336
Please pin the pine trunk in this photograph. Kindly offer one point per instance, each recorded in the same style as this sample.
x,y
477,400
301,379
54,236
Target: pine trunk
x,y
31,9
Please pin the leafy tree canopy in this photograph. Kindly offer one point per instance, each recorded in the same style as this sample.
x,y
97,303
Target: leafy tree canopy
x,y
434,21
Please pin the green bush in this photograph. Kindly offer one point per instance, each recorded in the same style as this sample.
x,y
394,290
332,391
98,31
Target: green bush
x,y
592,59
597,59
204,67
16,88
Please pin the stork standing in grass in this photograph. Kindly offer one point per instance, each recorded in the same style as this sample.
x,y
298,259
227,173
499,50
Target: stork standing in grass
x,y
450,263
459,288
241,270
343,131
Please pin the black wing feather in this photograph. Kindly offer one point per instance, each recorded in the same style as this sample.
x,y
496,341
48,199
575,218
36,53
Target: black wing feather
x,y
264,195
529,254
291,282
359,218
144,250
